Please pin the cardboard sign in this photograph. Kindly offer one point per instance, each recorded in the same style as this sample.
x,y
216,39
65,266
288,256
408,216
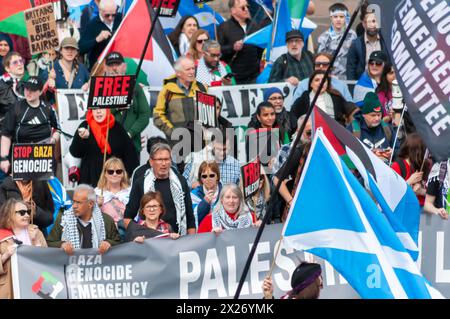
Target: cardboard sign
x,y
41,28
33,161
59,7
169,8
251,173
108,92
206,109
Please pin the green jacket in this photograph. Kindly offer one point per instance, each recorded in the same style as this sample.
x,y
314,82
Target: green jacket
x,y
136,118
112,235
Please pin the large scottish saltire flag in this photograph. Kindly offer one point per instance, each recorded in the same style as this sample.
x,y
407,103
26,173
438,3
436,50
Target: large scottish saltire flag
x,y
349,231
395,197
129,40
207,18
61,199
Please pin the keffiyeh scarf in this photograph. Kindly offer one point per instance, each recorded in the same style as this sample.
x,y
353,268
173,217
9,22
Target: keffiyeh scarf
x,y
177,194
205,75
220,219
70,230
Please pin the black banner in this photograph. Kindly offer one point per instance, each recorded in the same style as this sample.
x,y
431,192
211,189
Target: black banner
x,y
108,92
33,161
169,8
417,35
206,109
251,173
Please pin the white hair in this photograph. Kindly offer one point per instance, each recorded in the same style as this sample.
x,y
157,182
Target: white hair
x,y
178,63
86,188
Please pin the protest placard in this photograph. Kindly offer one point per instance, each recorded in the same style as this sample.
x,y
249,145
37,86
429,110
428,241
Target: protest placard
x,y
111,91
251,173
41,28
33,161
169,8
206,109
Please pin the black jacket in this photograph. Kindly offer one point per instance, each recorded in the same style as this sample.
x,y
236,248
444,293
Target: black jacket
x,y
245,63
7,96
41,196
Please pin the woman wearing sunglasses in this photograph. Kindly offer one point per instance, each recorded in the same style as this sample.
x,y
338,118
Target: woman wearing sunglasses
x,y
15,229
206,195
150,222
195,48
113,191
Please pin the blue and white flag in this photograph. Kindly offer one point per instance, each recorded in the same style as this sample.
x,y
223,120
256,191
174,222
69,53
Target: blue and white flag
x,y
348,230
60,198
207,18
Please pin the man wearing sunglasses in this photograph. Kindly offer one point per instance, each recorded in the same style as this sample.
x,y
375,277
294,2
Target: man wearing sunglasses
x,y
99,31
363,47
370,79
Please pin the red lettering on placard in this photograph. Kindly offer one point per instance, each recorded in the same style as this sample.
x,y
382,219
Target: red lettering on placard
x,y
108,87
98,85
22,151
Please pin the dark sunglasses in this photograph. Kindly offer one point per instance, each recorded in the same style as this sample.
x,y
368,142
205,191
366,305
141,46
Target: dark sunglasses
x,y
22,212
201,40
210,176
377,63
112,171
322,64
110,15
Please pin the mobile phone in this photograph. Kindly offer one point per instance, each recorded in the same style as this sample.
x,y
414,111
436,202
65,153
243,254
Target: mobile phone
x,y
229,76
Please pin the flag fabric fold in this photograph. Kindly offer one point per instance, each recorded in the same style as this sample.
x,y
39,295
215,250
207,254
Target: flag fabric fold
x,y
349,231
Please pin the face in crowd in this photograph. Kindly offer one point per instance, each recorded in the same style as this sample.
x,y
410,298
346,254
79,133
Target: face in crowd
x,y
240,10
267,117
209,178
370,24
161,162
375,68
189,27
373,119
338,21
115,69
231,201
187,73
212,57
321,63
152,210
315,83
32,96
82,206
108,13
99,115
277,100
22,216
16,66
295,46
114,173
202,38
220,150
4,47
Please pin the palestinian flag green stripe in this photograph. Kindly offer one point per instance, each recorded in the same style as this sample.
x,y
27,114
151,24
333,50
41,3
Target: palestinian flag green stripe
x,y
14,24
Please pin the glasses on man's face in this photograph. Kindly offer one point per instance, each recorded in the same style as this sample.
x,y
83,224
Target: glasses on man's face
x,y
112,171
321,64
204,176
17,62
110,15
152,207
377,63
162,160
276,98
22,212
200,41
214,56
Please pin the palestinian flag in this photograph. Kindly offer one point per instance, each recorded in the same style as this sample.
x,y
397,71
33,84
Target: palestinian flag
x,y
12,18
129,40
395,197
5,234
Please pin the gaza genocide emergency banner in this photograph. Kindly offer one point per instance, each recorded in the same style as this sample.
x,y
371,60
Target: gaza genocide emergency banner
x,y
251,173
169,8
111,91
33,161
206,109
198,266
41,28
417,35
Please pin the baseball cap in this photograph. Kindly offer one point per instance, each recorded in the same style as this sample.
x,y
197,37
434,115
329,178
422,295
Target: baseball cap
x,y
33,84
69,42
294,34
379,56
114,57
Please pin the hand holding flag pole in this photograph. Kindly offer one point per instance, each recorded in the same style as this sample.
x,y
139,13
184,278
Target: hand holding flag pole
x,y
290,156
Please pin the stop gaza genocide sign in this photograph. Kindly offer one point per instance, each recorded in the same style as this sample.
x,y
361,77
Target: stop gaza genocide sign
x,y
33,161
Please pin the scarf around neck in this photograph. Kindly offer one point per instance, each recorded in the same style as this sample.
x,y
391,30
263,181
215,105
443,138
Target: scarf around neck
x,y
220,219
99,129
205,75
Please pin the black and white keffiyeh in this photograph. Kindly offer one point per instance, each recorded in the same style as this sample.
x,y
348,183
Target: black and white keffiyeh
x,y
220,219
70,230
177,194
205,75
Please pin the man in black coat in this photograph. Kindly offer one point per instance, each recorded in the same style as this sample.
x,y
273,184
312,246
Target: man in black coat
x,y
243,59
99,31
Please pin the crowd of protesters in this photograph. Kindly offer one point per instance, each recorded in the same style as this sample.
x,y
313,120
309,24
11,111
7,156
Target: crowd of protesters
x,y
175,195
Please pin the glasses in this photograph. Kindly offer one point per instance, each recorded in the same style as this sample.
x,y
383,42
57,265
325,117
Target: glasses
x,y
321,64
152,207
214,56
112,171
110,15
17,62
210,176
162,160
377,63
22,212
199,41
276,98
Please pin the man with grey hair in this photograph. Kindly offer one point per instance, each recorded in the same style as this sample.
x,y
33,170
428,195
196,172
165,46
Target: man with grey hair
x,y
83,225
173,188
211,71
175,107
99,31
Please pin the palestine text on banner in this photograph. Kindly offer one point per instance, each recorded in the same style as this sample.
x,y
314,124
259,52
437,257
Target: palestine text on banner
x,y
348,230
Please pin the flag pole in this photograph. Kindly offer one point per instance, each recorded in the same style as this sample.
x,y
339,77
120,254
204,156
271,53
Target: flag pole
x,y
396,134
283,170
147,41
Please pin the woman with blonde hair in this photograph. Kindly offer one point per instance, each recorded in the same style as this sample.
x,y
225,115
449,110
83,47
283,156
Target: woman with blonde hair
x,y
196,45
113,190
15,229
230,213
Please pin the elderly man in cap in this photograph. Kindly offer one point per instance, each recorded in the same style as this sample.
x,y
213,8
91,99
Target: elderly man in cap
x,y
369,127
296,64
306,283
28,121
135,119
370,79
100,30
